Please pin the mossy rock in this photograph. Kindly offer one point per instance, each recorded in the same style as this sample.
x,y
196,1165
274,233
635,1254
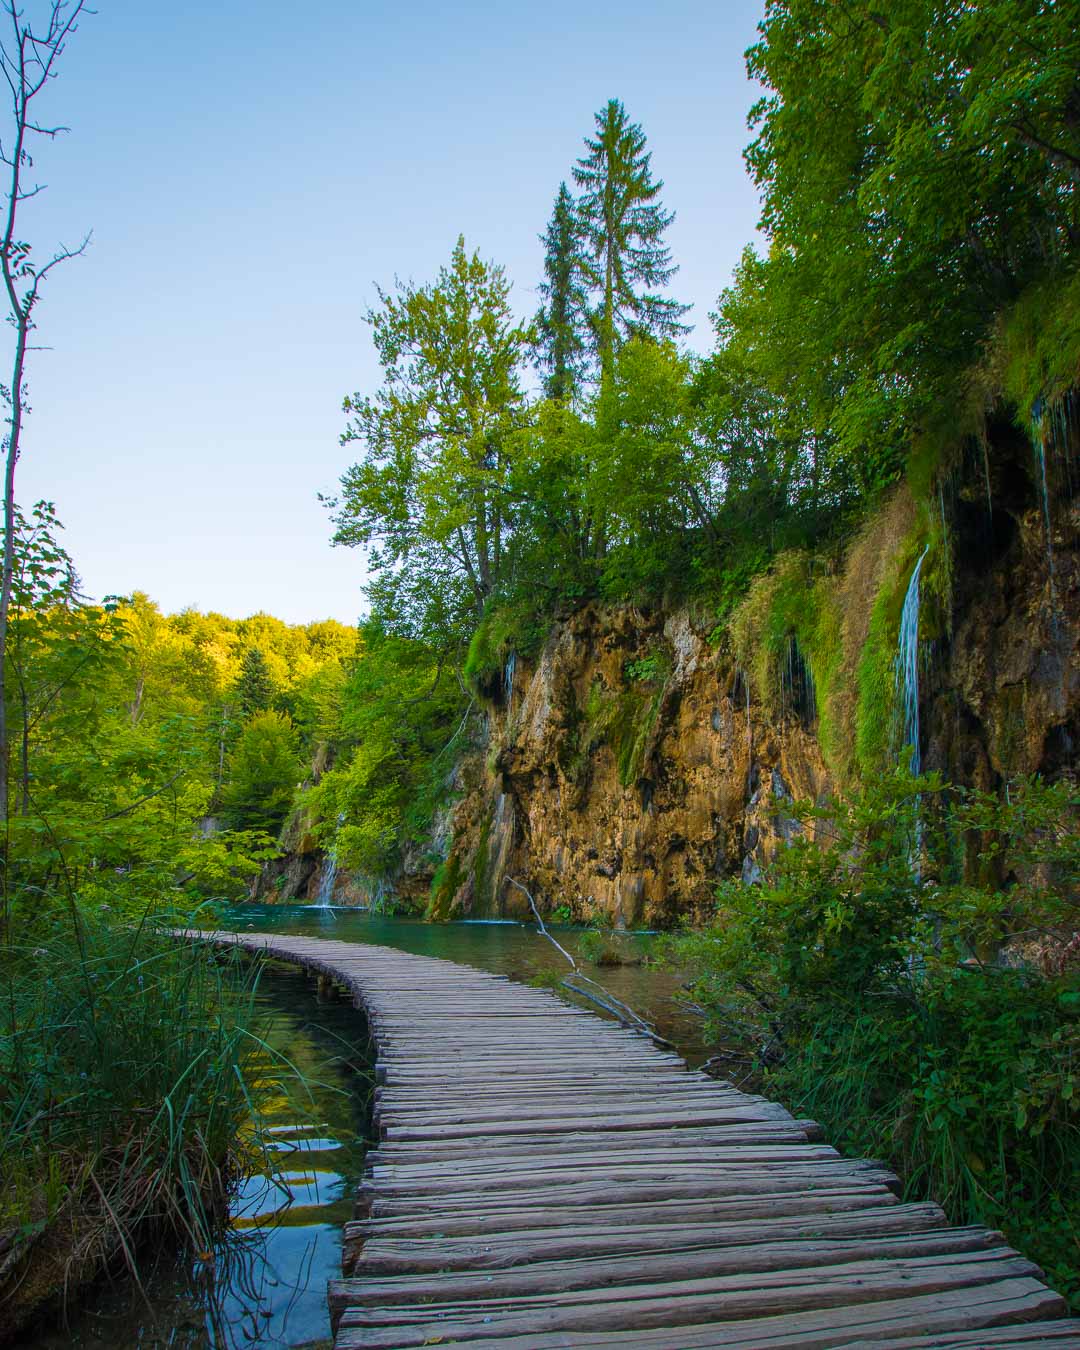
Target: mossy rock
x,y
445,885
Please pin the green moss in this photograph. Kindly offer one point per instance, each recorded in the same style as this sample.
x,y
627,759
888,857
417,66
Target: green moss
x,y
781,604
445,885
503,629
482,887
622,720
856,726
1009,727
876,683
1038,348
631,726
876,724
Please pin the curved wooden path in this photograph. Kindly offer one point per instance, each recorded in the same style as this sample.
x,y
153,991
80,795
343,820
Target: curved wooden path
x,y
546,1179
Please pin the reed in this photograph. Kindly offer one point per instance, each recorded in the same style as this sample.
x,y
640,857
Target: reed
x,y
122,1093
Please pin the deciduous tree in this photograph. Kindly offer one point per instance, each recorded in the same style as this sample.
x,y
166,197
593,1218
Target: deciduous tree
x,y
28,56
429,498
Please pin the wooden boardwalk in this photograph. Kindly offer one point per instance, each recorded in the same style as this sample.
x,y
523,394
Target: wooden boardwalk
x,y
546,1179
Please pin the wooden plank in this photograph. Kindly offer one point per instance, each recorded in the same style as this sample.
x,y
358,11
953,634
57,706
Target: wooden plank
x,y
937,1315
660,1265
492,1221
1059,1333
790,1289
820,1292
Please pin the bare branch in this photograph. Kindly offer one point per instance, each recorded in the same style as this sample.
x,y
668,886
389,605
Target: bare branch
x,y
596,993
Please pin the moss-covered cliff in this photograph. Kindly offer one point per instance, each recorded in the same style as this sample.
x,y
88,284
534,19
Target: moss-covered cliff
x,y
646,752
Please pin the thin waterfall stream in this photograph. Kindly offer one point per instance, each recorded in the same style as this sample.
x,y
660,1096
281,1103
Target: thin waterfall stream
x,y
907,667
325,897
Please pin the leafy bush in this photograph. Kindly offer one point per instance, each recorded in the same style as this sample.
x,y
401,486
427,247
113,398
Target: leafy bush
x,y
890,982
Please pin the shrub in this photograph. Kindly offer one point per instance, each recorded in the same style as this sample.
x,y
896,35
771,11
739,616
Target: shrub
x,y
885,983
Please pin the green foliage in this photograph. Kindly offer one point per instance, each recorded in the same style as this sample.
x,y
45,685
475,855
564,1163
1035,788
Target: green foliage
x,y
263,774
429,498
919,168
403,720
254,691
907,1008
1036,355
124,722
121,1094
562,322
601,946
506,630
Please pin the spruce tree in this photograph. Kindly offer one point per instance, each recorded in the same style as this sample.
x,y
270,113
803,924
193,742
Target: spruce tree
x,y
623,225
561,320
254,685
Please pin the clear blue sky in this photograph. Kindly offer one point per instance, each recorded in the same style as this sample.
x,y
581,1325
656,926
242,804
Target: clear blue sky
x,y
249,169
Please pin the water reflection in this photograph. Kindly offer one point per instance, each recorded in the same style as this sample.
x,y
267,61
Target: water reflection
x,y
265,1282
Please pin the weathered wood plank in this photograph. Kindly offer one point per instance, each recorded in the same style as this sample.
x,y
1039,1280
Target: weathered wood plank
x,y
937,1316
666,1262
827,1296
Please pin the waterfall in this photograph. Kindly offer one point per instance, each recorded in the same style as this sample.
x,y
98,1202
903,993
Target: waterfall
x,y
325,897
508,677
907,667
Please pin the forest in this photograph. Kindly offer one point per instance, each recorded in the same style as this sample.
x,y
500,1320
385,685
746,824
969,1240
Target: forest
x,y
911,315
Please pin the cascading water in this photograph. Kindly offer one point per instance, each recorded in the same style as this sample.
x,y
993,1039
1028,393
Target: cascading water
x,y
907,694
907,667
325,897
508,677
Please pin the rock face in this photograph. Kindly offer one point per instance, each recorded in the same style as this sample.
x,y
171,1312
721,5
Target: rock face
x,y
1006,693
629,769
625,773
631,766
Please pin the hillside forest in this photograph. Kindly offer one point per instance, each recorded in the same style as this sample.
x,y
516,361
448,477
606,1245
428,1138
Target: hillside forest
x,y
889,388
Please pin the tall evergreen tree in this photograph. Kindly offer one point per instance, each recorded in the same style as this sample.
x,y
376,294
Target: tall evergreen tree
x,y
623,224
254,684
562,319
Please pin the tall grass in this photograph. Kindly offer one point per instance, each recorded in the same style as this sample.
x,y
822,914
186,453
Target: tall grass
x,y
121,1096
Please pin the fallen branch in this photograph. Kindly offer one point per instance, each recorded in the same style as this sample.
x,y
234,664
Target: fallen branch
x,y
602,996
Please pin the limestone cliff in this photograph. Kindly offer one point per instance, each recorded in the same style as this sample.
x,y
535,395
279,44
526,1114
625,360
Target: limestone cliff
x,y
624,772
646,753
